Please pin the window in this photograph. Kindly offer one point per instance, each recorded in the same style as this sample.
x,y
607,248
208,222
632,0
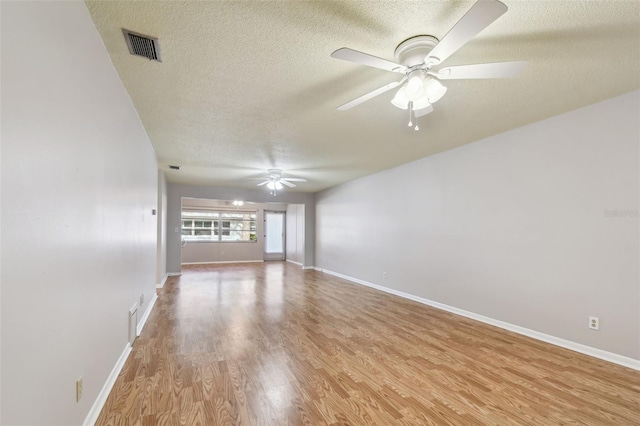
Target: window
x,y
218,226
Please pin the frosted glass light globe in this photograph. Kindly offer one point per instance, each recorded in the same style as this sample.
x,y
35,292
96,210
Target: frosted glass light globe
x,y
434,89
401,100
415,88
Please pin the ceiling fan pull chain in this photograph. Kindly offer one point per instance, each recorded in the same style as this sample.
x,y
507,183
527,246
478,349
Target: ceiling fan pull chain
x,y
414,117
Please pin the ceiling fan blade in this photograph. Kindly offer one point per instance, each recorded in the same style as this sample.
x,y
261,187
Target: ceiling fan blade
x,y
351,55
264,183
294,179
370,95
479,17
289,184
492,70
423,111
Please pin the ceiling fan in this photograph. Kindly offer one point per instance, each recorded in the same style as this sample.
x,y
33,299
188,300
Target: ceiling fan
x,y
275,181
416,57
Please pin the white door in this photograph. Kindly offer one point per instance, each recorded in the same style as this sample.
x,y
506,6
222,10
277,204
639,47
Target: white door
x,y
274,235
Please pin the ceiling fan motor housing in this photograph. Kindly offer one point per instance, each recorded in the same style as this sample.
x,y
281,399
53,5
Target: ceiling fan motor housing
x,y
414,50
274,173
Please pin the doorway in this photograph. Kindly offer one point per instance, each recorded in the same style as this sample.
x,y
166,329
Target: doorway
x,y
274,237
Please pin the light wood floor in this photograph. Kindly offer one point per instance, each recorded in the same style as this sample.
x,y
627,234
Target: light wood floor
x,y
270,344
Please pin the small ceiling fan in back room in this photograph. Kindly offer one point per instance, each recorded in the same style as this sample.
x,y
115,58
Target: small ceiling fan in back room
x,y
275,181
419,56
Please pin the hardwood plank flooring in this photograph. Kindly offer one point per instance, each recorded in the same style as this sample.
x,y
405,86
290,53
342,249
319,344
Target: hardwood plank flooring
x,y
271,344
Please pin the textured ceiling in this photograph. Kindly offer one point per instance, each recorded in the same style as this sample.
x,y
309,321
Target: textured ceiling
x,y
246,86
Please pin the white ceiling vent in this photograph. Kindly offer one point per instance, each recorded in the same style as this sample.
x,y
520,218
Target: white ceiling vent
x,y
142,45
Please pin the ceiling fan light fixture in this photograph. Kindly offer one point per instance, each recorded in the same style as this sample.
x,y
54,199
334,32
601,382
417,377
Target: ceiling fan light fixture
x,y
434,89
421,103
400,100
274,185
415,87
420,89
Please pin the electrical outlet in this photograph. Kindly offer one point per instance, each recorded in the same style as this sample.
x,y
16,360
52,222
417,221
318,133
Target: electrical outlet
x,y
142,299
78,389
384,275
594,323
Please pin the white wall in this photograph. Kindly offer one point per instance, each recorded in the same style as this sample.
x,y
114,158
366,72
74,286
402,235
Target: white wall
x,y
295,233
176,192
513,227
227,251
79,182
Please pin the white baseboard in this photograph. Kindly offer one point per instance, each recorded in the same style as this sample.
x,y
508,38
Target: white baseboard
x,y
146,314
96,408
221,261
557,341
163,281
300,264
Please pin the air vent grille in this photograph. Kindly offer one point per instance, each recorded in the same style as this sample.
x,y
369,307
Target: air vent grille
x,y
142,45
